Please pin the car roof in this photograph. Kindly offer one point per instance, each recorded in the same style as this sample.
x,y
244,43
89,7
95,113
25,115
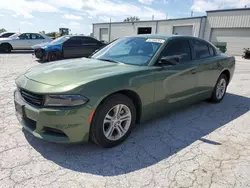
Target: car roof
x,y
76,36
164,37
167,37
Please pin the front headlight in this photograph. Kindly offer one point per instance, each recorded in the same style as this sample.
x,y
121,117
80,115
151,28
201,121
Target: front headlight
x,y
65,100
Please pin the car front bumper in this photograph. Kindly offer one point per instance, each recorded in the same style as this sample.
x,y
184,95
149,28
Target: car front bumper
x,y
60,125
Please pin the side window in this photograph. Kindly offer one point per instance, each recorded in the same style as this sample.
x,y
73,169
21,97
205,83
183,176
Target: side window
x,y
179,47
89,41
200,49
7,34
36,36
211,50
73,42
25,36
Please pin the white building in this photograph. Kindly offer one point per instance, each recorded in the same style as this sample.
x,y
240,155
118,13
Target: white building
x,y
230,27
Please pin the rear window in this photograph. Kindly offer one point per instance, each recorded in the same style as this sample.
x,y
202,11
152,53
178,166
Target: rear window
x,y
7,34
87,40
211,50
201,49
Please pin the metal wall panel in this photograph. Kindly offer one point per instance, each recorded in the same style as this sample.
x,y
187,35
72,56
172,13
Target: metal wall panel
x,y
183,30
226,19
159,27
104,34
235,38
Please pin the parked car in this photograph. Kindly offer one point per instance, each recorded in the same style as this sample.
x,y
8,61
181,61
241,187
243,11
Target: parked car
x,y
6,34
22,41
67,47
129,81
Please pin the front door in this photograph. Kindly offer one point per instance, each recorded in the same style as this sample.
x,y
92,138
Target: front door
x,y
36,39
72,47
24,41
176,84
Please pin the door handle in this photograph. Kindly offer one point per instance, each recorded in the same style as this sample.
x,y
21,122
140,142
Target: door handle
x,y
193,71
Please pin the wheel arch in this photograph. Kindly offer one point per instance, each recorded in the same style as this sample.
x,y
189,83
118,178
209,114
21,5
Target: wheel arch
x,y
7,44
56,51
132,95
226,72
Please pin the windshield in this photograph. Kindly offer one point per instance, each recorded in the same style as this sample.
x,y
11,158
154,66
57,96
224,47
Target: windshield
x,y
15,35
60,40
130,50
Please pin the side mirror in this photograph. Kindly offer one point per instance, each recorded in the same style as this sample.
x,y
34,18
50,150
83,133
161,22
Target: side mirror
x,y
169,60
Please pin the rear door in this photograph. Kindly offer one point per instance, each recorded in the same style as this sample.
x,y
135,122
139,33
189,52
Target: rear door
x,y
72,47
36,39
89,45
208,65
81,46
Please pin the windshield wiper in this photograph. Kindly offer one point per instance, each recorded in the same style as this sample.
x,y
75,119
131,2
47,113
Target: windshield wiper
x,y
109,60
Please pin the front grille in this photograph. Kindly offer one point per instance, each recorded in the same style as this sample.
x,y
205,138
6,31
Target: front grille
x,y
32,98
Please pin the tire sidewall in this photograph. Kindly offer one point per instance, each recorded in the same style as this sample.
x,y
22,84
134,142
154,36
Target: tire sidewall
x,y
214,96
51,54
6,48
102,110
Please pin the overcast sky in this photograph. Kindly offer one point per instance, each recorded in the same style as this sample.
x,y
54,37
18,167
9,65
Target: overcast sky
x,y
78,15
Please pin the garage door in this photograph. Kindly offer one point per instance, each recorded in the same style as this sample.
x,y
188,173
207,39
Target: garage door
x,y
235,39
104,34
183,30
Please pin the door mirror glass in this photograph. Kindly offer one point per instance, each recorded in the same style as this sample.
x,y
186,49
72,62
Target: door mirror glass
x,y
169,60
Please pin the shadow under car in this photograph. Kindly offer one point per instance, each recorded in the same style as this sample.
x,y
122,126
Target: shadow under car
x,y
149,143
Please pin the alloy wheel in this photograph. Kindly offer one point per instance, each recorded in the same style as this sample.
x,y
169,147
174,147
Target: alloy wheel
x,y
221,88
117,122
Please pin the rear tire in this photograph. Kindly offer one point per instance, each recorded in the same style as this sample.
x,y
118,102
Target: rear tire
x,y
219,89
113,121
6,48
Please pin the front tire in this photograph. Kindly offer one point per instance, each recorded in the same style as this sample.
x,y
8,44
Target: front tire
x,y
219,89
52,56
113,121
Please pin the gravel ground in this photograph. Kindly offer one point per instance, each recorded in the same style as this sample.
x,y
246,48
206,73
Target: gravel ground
x,y
205,145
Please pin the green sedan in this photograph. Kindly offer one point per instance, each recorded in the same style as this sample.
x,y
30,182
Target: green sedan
x,y
129,81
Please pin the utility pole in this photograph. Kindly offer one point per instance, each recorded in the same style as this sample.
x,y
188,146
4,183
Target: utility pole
x,y
153,17
109,29
192,13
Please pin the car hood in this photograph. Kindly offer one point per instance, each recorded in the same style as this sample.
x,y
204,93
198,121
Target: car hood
x,y
81,70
